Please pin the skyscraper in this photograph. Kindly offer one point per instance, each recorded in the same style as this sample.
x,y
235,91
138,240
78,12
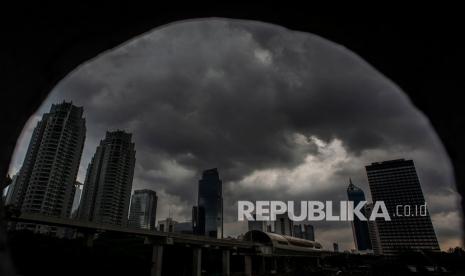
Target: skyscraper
x,y
309,232
143,210
210,204
108,183
283,225
396,183
45,183
359,227
373,230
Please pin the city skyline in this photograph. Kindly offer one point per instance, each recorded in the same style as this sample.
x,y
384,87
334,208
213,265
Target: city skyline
x,y
116,155
295,150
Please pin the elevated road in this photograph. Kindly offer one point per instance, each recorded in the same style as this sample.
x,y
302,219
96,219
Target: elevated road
x,y
265,252
170,238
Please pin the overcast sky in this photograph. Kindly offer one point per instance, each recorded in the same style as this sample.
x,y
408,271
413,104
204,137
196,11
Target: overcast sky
x,y
283,115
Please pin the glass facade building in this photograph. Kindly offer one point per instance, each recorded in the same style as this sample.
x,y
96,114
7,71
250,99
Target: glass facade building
x,y
210,204
397,184
143,211
359,227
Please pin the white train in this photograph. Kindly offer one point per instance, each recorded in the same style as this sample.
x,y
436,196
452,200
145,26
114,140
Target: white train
x,y
280,243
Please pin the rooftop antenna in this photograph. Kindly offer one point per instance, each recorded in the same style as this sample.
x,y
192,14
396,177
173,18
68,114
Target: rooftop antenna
x,y
351,185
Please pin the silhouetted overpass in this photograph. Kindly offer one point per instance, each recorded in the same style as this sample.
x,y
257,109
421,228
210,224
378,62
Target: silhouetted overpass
x,y
265,251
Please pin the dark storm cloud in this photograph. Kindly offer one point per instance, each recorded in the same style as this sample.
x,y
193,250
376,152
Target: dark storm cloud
x,y
261,103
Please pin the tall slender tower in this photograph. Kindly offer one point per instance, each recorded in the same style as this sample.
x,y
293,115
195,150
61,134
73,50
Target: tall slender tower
x,y
45,183
108,183
396,183
359,227
210,204
143,209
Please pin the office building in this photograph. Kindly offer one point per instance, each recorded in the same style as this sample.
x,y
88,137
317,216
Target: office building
x,y
210,205
373,231
283,225
359,227
143,210
309,232
108,183
397,184
167,225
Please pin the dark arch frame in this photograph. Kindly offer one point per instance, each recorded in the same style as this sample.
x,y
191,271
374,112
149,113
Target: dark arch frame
x,y
41,45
